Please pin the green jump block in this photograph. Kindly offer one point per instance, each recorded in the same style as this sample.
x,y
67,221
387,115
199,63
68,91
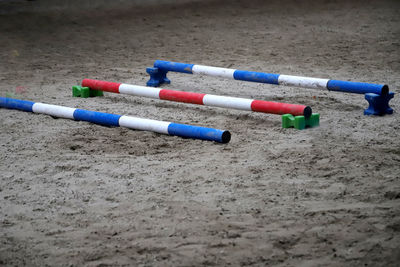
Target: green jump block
x,y
300,122
79,91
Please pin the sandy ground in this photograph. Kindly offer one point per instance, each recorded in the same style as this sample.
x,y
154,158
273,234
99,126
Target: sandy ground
x,y
79,194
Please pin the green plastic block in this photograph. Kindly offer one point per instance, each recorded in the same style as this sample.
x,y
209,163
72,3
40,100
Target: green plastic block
x,y
313,120
94,93
79,91
300,122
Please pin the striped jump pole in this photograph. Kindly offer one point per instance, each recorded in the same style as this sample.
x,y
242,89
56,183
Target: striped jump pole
x,y
377,95
200,99
107,119
161,67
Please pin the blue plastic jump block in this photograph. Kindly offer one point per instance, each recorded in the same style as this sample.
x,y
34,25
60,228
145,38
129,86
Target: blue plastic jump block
x,y
157,77
378,104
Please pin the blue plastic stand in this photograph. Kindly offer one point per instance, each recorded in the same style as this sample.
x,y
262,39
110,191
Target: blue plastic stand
x,y
378,104
157,77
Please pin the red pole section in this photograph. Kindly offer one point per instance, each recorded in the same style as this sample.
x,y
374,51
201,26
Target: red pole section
x,y
101,85
179,96
280,108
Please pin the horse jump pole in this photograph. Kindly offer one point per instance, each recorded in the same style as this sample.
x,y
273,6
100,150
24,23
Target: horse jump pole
x,y
107,119
200,99
159,71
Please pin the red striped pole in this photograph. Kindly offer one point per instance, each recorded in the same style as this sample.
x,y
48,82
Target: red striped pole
x,y
200,99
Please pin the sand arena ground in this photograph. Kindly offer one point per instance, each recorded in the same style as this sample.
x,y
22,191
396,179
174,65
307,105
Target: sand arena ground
x,y
75,193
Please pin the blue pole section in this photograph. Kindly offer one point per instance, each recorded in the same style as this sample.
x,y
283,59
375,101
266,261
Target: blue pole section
x,y
101,118
174,66
357,87
258,77
197,132
12,103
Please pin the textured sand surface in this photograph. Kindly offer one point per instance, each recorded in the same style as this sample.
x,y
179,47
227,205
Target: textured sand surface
x,y
75,193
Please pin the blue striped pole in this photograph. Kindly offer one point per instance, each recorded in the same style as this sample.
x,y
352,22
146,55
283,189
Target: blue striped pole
x,y
182,130
158,76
